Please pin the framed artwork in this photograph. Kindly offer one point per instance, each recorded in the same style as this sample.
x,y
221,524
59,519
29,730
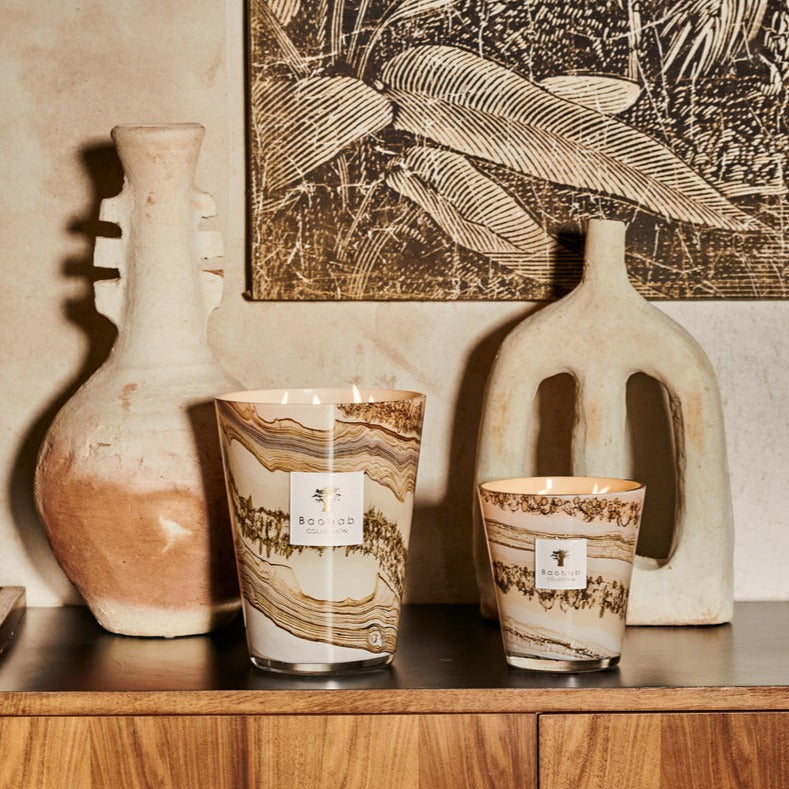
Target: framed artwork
x,y
452,149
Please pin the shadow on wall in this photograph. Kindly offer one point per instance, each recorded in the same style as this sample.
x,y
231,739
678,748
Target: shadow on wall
x,y
104,171
441,566
651,450
441,562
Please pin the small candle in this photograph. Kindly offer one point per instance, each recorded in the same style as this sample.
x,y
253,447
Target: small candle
x,y
561,552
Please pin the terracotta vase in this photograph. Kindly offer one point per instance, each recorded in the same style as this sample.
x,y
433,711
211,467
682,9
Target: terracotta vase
x,y
129,480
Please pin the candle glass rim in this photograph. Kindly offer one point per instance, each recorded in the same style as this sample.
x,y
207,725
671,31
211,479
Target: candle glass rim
x,y
302,397
562,486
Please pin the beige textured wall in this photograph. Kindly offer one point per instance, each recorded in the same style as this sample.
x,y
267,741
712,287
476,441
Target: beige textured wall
x,y
71,72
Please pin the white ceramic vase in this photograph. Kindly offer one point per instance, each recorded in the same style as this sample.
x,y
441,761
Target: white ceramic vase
x,y
129,479
602,333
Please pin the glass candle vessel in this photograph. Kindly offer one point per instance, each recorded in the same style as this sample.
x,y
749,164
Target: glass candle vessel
x,y
561,551
320,484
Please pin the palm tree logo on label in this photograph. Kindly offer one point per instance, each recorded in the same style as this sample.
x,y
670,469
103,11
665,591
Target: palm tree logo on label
x,y
560,563
327,496
559,556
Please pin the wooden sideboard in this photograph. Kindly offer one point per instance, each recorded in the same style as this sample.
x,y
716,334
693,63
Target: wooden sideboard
x,y
687,707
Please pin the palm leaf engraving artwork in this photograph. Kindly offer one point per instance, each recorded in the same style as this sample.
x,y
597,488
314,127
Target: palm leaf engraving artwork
x,y
452,149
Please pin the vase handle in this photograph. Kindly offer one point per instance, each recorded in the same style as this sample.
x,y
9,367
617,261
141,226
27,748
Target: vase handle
x,y
110,253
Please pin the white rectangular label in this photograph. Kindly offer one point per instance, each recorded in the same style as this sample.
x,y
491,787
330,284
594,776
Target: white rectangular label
x,y
560,564
326,508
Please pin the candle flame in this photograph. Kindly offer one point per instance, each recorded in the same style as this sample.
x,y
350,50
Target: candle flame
x,y
548,487
370,399
316,400
357,395
604,489
284,400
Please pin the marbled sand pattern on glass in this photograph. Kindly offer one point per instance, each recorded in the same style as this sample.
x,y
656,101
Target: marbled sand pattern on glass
x,y
563,624
324,604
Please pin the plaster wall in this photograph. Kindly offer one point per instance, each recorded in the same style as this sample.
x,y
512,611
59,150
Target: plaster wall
x,y
71,71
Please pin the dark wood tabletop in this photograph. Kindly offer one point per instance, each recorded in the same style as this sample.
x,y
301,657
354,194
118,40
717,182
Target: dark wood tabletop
x,y
449,659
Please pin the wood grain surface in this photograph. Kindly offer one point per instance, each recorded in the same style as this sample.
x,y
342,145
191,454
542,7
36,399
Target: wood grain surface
x,y
664,751
81,707
396,751
390,702
449,661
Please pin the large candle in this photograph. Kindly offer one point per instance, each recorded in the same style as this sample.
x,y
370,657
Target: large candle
x,y
321,488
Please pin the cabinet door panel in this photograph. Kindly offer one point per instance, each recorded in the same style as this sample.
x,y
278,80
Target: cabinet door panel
x,y
396,751
478,751
75,752
664,750
44,752
282,751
